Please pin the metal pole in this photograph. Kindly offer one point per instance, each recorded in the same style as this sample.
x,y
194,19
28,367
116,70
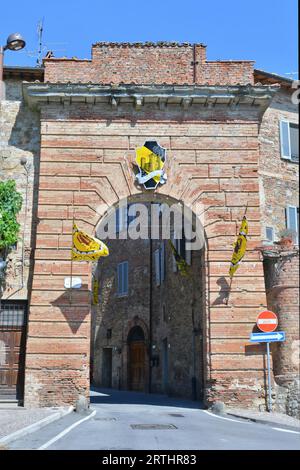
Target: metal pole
x,y
1,73
269,379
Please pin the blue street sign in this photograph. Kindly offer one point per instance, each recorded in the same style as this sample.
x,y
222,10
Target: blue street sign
x,y
267,337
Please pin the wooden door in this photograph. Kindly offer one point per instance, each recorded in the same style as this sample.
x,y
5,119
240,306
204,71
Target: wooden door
x,y
12,350
137,357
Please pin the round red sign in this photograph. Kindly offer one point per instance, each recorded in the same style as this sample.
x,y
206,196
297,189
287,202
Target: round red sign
x,y
267,321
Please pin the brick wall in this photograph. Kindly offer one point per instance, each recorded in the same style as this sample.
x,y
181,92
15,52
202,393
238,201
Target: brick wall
x,y
148,63
282,284
86,166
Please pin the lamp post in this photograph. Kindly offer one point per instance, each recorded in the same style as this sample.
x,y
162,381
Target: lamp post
x,y
15,42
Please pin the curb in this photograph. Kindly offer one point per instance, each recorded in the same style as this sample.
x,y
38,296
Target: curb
x,y
35,426
267,423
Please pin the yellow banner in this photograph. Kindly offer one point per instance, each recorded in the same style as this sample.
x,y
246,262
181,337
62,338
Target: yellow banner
x,y
87,248
95,291
239,247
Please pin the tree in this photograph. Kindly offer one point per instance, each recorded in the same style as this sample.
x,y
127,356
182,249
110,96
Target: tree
x,y
10,206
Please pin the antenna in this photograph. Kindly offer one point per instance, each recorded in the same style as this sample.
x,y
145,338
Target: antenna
x,y
40,28
42,48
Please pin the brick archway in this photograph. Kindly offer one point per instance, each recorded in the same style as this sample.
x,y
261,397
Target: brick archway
x,y
88,141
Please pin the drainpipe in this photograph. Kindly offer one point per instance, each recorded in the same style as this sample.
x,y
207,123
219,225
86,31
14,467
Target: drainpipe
x,y
23,162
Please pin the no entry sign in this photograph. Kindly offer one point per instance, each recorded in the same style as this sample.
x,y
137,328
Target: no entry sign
x,y
267,321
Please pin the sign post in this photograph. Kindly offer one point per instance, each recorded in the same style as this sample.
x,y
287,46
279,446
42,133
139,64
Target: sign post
x,y
267,322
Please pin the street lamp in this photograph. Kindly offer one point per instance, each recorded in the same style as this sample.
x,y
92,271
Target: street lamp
x,y
15,42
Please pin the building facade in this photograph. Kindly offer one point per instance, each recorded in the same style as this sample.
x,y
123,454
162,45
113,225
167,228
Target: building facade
x,y
19,160
93,114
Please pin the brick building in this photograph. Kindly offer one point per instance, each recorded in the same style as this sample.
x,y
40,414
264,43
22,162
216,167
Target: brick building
x,y
93,115
19,160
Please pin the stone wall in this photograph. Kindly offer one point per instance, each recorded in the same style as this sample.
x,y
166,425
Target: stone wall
x,y
282,284
279,178
173,304
149,63
19,139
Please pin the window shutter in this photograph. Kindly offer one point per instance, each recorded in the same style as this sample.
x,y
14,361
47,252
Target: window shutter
x,y
117,220
285,139
270,234
173,257
292,219
157,267
162,263
119,288
125,277
188,256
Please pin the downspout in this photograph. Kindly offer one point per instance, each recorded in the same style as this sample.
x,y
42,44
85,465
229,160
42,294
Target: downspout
x,y
150,305
23,162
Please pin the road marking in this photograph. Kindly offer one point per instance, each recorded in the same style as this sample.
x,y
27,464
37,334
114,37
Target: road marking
x,y
63,433
286,430
226,419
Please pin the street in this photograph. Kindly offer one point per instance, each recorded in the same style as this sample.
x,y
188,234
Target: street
x,y
132,421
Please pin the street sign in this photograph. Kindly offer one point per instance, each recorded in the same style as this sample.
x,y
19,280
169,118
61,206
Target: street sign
x,y
267,337
267,321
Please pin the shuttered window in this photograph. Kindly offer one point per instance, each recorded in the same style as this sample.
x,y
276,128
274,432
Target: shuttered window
x,y
122,288
289,140
270,234
159,261
292,220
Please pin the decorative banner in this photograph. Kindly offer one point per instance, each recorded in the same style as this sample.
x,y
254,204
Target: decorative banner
x,y
95,291
180,261
239,247
151,159
85,247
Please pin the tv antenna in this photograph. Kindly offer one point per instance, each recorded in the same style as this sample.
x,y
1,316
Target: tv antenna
x,y
43,48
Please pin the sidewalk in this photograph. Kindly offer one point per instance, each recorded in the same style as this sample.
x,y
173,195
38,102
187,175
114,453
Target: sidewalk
x,y
263,417
16,421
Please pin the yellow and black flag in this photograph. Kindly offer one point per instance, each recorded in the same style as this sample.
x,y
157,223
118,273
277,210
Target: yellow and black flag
x,y
150,159
180,261
239,247
85,247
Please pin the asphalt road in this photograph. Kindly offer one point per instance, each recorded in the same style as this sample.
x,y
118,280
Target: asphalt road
x,y
128,420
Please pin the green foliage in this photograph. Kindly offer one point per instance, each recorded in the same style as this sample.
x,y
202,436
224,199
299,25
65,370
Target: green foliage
x,y
10,206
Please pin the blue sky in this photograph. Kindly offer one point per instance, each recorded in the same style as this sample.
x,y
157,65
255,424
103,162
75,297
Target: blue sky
x,y
260,30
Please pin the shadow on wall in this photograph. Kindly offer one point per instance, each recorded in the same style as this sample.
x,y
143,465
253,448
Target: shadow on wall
x,y
74,304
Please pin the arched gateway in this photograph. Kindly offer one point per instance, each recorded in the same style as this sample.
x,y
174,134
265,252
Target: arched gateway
x,y
207,118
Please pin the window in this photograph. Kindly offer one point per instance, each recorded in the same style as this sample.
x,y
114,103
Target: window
x,y
159,259
289,141
122,278
292,220
270,234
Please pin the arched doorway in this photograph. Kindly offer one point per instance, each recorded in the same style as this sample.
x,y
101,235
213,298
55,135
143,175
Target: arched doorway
x,y
137,359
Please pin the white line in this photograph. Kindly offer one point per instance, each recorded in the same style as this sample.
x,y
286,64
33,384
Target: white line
x,y
63,433
226,419
286,430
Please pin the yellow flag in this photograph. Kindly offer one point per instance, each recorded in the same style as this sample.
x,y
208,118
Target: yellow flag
x,y
85,247
239,247
95,291
180,261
